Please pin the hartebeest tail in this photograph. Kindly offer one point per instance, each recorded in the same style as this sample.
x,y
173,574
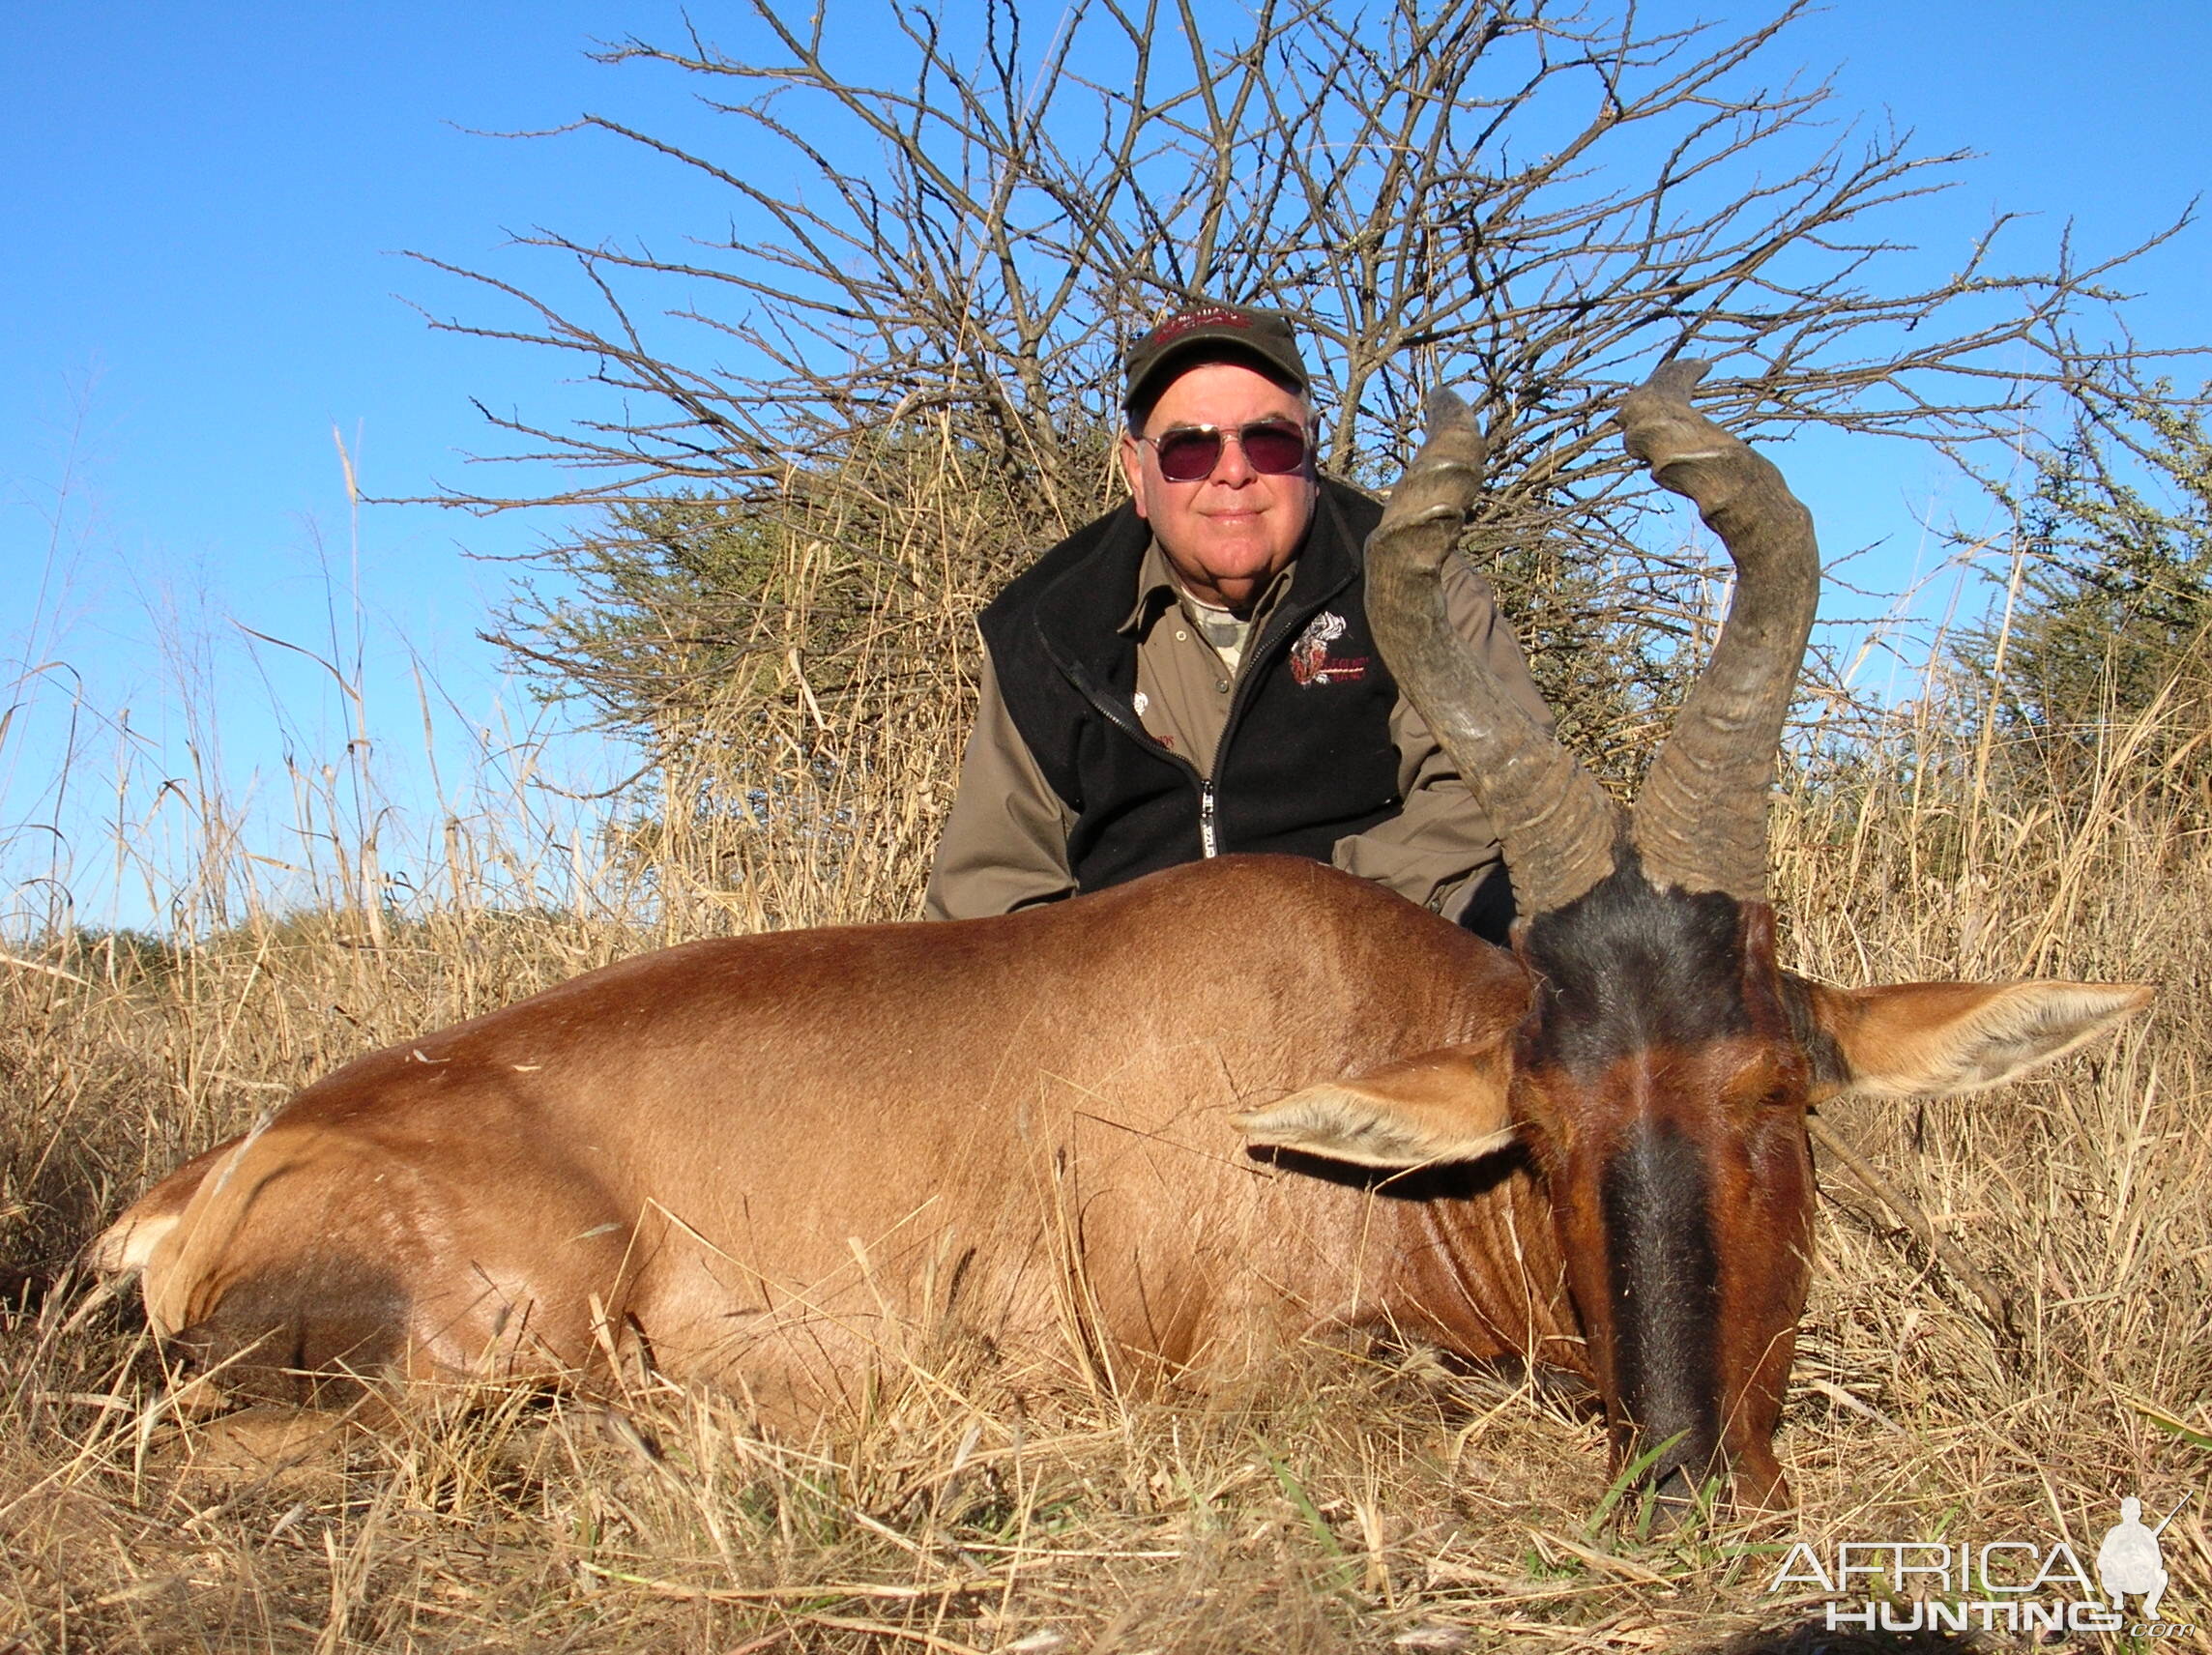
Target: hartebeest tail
x,y
793,1162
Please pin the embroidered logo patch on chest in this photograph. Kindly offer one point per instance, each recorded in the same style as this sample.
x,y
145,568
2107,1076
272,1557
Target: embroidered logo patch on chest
x,y
1312,663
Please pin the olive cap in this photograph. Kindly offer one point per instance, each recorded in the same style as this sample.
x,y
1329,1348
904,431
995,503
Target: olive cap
x,y
1209,326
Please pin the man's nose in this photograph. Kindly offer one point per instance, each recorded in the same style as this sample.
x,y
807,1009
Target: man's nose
x,y
1232,469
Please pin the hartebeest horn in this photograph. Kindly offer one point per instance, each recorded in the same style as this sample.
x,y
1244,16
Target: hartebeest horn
x,y
1699,822
1555,824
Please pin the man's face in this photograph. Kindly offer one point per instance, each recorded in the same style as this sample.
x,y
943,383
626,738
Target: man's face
x,y
1228,534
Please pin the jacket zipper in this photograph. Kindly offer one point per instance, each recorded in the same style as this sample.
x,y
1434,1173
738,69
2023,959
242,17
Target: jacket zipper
x,y
1209,837
1124,719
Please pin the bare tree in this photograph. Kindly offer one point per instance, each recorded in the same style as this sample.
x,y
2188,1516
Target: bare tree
x,y
1531,201
1525,200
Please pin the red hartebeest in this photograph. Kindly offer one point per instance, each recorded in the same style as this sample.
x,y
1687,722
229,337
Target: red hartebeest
x,y
1202,1114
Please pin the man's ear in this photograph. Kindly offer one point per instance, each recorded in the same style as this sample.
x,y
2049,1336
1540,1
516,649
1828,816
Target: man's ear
x,y
1938,1039
1133,469
1445,1105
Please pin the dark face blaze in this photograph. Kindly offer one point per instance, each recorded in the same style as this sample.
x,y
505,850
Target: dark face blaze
x,y
1665,1094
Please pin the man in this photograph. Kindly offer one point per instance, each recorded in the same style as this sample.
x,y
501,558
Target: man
x,y
1193,674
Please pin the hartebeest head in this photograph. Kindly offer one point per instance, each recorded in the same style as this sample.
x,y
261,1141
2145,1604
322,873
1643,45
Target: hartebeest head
x,y
1661,1076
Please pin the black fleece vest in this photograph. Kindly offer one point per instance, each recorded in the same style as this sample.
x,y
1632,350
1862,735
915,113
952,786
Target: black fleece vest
x,y
1305,758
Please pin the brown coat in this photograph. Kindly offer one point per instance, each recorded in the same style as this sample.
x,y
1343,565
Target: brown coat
x,y
991,1127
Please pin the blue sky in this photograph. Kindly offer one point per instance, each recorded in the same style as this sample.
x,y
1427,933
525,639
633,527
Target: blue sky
x,y
203,210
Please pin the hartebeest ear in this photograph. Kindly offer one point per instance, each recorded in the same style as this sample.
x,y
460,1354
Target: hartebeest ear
x,y
1445,1105
1921,1039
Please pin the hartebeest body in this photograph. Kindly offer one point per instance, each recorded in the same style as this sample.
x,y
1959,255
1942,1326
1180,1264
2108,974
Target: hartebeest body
x,y
1196,1118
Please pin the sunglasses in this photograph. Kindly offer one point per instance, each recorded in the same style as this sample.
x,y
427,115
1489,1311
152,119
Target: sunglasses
x,y
1188,453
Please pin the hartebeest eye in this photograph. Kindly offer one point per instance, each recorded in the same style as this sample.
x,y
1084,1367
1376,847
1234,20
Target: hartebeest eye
x,y
1769,1079
1783,1084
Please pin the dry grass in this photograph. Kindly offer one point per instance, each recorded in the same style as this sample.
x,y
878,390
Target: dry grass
x,y
1348,1503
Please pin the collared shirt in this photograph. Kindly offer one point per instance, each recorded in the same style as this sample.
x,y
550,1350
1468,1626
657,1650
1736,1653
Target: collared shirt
x,y
1187,657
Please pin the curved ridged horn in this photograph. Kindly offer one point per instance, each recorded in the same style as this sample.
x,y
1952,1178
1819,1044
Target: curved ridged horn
x,y
1700,823
1555,824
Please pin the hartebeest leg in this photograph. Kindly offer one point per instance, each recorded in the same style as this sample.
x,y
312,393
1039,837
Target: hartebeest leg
x,y
317,1252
